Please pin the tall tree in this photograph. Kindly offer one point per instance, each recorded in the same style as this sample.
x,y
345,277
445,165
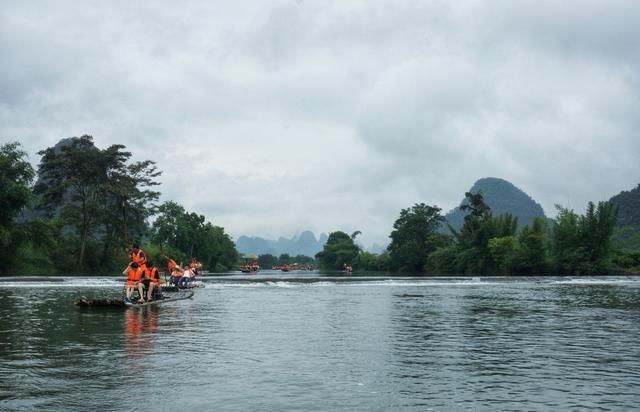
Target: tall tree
x,y
582,244
414,237
16,175
338,251
88,187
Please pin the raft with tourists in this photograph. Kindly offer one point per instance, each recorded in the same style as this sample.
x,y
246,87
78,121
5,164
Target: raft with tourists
x,y
145,287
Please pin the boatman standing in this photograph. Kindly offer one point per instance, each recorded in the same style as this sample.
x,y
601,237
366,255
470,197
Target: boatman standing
x,y
138,256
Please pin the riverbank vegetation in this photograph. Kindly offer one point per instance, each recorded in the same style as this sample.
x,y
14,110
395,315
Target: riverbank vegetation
x,y
570,244
87,206
82,206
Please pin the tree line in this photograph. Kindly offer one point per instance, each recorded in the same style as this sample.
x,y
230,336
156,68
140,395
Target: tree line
x,y
87,205
487,244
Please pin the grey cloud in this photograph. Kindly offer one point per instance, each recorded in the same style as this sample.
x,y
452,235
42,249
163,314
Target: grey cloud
x,y
278,117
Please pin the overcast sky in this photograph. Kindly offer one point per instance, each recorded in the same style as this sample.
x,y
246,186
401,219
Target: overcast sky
x,y
272,117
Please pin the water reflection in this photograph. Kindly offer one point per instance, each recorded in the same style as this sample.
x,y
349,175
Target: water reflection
x,y
140,327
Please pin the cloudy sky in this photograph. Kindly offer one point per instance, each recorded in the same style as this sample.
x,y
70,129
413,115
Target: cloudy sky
x,y
271,117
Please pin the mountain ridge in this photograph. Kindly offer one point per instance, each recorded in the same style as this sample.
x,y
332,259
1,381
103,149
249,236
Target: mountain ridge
x,y
305,243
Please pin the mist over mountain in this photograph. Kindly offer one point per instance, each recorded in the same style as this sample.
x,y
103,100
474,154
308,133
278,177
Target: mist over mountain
x,y
628,203
303,244
502,197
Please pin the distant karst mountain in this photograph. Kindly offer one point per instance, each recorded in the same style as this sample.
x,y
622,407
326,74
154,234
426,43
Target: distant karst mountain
x,y
502,197
628,203
304,244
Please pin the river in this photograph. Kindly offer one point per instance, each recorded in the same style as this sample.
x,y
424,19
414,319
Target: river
x,y
308,342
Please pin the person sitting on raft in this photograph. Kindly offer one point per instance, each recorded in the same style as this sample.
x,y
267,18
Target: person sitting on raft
x,y
134,274
186,277
176,274
150,280
195,266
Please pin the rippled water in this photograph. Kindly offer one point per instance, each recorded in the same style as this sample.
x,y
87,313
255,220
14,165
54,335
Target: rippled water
x,y
326,344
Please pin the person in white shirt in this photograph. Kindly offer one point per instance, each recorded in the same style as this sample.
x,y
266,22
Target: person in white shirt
x,y
186,277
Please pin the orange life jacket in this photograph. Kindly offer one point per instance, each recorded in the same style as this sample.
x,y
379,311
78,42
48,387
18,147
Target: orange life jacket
x,y
140,258
171,265
154,275
134,275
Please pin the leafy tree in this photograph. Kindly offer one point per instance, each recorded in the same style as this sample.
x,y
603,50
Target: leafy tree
x,y
372,262
16,175
473,239
189,235
444,260
503,250
284,259
267,260
532,248
582,244
415,237
339,250
88,189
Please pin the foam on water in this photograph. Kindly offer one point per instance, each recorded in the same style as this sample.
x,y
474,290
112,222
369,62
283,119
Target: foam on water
x,y
61,282
594,281
317,282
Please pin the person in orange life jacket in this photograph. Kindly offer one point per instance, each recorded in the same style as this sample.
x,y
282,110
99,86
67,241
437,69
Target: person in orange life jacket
x,y
175,272
171,264
150,280
138,256
195,266
134,274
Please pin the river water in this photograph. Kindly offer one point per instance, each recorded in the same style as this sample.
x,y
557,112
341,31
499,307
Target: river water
x,y
308,342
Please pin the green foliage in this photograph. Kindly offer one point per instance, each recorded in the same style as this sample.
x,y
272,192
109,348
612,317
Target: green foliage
x,y
582,244
366,261
285,259
98,196
415,237
626,239
267,261
16,175
503,251
339,250
474,255
444,260
532,248
189,235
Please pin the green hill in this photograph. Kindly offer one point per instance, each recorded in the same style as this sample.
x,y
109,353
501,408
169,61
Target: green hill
x,y
628,203
502,197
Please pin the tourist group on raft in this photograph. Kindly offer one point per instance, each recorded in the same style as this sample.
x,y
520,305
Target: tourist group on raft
x,y
144,276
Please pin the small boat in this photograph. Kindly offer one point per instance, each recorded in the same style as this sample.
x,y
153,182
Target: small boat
x,y
250,264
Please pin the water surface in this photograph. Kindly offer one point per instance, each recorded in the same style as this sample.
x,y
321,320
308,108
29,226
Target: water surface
x,y
307,342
